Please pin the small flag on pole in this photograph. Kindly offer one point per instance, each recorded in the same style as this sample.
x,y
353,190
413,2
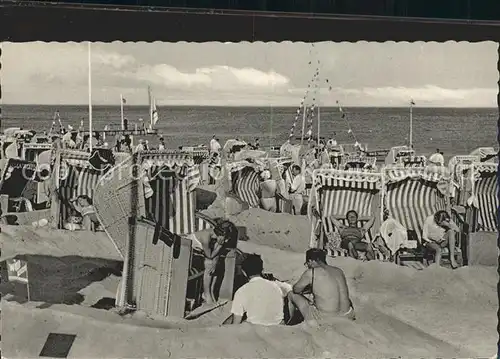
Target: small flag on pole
x,y
124,101
412,102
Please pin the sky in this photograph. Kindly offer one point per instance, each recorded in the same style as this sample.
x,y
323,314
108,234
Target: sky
x,y
385,74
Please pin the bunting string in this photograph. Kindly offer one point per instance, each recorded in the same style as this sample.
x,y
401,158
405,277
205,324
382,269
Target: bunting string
x,y
302,107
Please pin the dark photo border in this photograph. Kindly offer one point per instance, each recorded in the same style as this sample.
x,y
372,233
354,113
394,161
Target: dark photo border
x,y
38,21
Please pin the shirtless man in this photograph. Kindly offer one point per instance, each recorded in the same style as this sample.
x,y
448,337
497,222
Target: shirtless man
x,y
328,286
213,242
352,235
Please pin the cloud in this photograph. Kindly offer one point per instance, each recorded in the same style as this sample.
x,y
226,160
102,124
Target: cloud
x,y
217,78
429,95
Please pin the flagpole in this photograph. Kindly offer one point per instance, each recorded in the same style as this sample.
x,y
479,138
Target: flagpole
x,y
411,124
121,111
90,96
319,119
150,106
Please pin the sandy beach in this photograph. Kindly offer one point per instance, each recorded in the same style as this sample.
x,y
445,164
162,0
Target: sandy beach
x,y
401,311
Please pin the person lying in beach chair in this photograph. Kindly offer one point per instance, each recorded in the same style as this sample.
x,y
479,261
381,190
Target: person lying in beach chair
x,y
352,236
328,288
83,205
438,233
260,300
212,242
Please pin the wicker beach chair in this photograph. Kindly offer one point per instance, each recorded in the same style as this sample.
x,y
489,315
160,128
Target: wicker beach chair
x,y
411,194
333,194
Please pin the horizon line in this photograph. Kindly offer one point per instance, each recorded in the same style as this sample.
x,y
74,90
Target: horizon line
x,y
239,106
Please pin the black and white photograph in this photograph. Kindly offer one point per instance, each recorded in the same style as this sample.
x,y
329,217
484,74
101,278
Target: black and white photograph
x,y
250,200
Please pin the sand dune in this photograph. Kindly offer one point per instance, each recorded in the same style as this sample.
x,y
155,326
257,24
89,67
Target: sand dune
x,y
401,312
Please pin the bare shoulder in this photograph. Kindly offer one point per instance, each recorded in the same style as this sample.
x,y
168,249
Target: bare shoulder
x,y
336,271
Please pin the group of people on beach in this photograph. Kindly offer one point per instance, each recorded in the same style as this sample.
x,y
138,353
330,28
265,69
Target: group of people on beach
x,y
271,190
320,293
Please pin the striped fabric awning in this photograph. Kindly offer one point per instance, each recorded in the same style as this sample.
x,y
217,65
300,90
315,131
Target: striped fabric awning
x,y
429,173
77,181
486,193
347,179
245,184
409,200
480,168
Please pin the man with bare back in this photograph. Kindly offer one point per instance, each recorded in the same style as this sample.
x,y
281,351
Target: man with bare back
x,y
328,286
212,242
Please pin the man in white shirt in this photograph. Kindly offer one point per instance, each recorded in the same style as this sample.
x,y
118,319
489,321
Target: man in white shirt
x,y
437,158
214,145
297,189
260,299
439,232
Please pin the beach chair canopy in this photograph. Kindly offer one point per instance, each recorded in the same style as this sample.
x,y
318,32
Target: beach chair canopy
x,y
460,167
244,179
75,175
16,176
354,161
234,146
485,196
412,194
246,154
170,179
30,151
335,192
486,154
393,154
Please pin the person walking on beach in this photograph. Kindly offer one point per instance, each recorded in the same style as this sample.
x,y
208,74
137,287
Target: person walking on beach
x,y
261,300
439,232
297,189
328,288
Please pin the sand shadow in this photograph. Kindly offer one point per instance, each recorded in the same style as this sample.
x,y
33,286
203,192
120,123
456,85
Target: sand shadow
x,y
58,280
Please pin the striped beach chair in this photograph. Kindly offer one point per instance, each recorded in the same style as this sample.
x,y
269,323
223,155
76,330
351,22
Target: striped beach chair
x,y
173,177
244,179
485,203
410,195
75,175
334,193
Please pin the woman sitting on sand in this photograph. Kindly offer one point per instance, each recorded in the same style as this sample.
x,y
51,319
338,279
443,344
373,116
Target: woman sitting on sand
x,y
352,236
268,189
438,233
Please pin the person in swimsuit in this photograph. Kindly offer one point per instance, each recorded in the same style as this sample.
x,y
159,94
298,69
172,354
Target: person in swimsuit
x,y
328,286
213,242
268,189
83,205
352,236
